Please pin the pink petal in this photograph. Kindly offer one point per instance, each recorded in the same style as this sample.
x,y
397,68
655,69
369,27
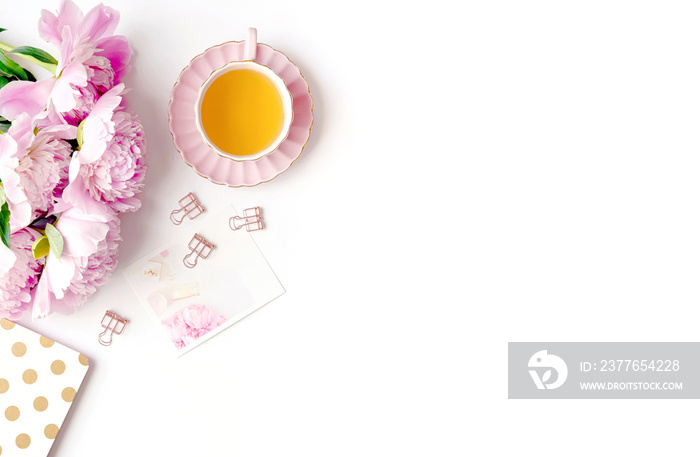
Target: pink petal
x,y
8,153
7,259
20,209
22,130
98,128
62,131
73,171
20,214
42,298
27,97
99,21
49,29
116,49
51,25
76,195
60,273
81,232
64,95
81,238
109,101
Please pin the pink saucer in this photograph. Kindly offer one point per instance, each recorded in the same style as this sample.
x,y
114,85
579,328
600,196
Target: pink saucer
x,y
204,160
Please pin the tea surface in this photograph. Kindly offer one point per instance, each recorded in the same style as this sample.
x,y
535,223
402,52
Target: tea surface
x,y
242,112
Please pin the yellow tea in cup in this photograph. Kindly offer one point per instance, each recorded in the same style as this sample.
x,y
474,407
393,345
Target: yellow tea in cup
x,y
244,109
242,112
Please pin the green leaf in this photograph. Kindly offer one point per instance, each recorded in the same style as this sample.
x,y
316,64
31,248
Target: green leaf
x,y
8,65
4,127
4,217
6,74
36,53
5,224
30,76
55,240
3,81
41,247
2,30
79,135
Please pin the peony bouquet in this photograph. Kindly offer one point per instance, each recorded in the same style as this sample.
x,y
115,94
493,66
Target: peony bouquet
x,y
71,160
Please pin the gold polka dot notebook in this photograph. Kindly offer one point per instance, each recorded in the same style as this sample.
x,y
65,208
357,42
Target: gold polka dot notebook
x,y
39,379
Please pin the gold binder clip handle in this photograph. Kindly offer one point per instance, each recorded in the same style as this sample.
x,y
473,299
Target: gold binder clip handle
x,y
113,324
199,248
251,220
189,207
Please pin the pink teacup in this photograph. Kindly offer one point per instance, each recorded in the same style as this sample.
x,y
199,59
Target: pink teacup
x,y
277,83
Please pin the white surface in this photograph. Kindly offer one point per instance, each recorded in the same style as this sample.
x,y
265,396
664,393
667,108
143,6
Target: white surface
x,y
533,175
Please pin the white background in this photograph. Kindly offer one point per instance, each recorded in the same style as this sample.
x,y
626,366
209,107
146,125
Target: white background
x,y
498,171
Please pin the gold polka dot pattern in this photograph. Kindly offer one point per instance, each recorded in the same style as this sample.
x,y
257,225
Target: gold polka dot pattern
x,y
29,376
51,431
7,325
19,349
41,403
68,394
12,413
23,441
35,371
45,342
58,367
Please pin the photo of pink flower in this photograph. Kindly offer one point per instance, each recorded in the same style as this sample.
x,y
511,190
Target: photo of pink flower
x,y
191,323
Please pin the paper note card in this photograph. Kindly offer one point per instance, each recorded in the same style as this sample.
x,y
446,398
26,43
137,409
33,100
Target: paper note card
x,y
193,298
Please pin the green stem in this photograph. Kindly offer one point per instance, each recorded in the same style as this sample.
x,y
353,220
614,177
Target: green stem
x,y
46,66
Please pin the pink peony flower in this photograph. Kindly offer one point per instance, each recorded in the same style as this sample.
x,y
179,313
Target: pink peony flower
x,y
110,167
118,176
98,128
12,147
89,241
91,272
17,281
191,323
92,60
43,169
31,167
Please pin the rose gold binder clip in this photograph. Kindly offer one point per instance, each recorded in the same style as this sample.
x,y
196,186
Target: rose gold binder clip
x,y
251,220
200,249
189,206
113,324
